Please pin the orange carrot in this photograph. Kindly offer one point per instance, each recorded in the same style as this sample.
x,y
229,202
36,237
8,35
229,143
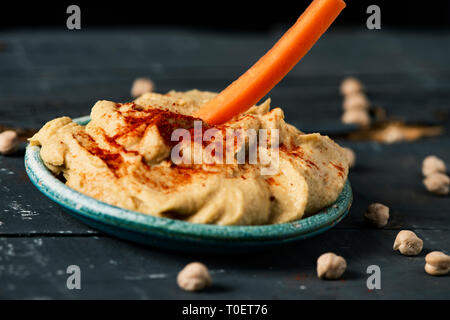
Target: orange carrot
x,y
254,84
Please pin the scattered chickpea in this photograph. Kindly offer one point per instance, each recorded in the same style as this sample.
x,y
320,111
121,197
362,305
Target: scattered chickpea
x,y
351,156
356,101
9,142
437,183
377,214
437,263
359,117
141,86
408,243
330,266
433,164
194,277
351,85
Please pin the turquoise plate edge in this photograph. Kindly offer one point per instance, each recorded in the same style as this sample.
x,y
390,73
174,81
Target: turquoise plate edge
x,y
170,233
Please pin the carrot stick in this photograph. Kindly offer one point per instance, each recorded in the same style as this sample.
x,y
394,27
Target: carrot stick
x,y
254,84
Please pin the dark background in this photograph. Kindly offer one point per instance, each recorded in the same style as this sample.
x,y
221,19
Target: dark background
x,y
217,15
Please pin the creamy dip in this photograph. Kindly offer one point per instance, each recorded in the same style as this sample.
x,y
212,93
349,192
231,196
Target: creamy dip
x,y
123,157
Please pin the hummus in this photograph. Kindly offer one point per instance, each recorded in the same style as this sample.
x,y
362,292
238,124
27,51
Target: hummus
x,y
123,157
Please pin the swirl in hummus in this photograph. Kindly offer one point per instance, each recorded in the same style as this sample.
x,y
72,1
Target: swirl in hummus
x,y
123,157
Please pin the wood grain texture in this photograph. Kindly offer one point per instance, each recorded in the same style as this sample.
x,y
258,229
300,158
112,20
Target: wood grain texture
x,y
45,74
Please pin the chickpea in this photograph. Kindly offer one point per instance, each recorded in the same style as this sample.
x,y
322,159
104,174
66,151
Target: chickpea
x,y
408,243
359,117
330,266
433,164
141,86
9,142
356,101
194,277
377,214
437,183
437,263
351,85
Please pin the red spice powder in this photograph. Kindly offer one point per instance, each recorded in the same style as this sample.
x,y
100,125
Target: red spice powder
x,y
297,151
112,160
166,121
174,177
312,164
339,168
272,181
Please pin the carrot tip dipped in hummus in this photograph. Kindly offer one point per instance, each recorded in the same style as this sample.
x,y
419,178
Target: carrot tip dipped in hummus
x,y
254,84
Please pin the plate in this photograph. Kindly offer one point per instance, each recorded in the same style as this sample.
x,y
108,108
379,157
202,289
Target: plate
x,y
175,234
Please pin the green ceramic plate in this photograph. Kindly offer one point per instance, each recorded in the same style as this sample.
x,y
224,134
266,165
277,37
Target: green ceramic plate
x,y
176,234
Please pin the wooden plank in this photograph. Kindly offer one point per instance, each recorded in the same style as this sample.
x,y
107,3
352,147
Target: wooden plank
x,y
35,268
24,210
391,174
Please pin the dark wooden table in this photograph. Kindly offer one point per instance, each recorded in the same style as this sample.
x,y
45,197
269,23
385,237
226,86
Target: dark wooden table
x,y
46,74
